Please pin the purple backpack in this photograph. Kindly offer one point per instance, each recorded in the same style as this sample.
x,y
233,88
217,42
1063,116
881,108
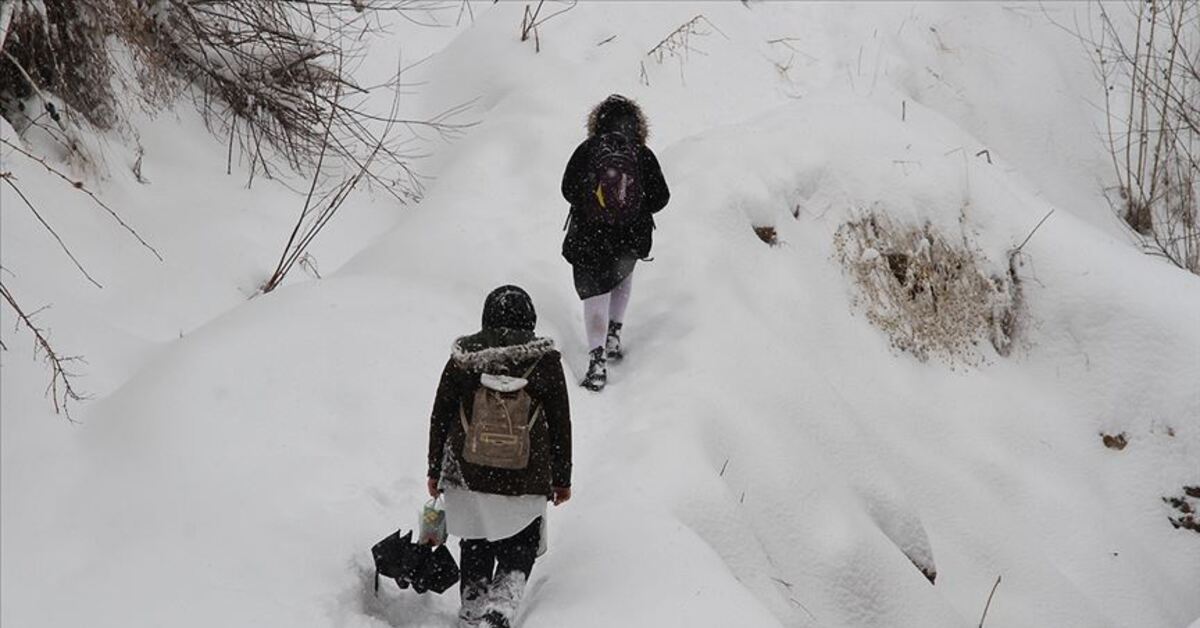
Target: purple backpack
x,y
617,194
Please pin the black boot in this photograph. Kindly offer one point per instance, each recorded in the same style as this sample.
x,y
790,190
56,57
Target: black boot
x,y
597,373
612,344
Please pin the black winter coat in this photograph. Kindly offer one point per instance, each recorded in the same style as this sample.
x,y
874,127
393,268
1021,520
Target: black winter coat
x,y
598,245
502,352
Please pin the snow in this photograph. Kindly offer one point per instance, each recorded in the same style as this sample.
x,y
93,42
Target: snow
x,y
761,457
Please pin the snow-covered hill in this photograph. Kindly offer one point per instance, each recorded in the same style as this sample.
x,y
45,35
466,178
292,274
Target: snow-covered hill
x,y
762,457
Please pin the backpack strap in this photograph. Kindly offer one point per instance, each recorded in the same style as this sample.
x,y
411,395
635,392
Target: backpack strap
x,y
529,371
536,409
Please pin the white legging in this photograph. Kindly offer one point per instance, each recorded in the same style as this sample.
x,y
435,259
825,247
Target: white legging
x,y
602,308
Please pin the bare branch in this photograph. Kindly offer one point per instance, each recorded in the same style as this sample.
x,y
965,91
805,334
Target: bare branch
x,y
61,390
8,177
78,185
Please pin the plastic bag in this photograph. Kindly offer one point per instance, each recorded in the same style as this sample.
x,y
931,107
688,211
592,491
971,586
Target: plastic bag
x,y
432,525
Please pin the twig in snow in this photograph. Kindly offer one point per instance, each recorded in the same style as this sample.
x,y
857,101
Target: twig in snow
x,y
308,264
989,602
723,467
137,166
787,43
530,22
677,44
802,607
1035,228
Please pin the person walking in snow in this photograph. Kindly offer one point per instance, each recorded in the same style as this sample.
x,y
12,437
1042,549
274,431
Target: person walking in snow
x,y
615,186
499,448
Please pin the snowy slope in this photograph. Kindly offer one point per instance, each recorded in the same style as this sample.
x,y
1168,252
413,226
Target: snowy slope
x,y
762,457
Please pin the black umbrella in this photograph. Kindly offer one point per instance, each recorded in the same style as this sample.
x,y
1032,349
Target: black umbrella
x,y
396,557
437,572
421,566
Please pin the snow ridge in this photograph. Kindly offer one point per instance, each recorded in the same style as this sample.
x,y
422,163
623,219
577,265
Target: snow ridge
x,y
762,456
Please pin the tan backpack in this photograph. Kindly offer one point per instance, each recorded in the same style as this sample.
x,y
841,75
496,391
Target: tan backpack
x,y
501,421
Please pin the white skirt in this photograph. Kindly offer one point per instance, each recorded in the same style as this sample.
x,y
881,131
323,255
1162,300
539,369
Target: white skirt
x,y
473,515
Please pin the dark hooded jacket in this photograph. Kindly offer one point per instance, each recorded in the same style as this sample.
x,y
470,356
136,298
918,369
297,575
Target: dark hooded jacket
x,y
512,349
596,245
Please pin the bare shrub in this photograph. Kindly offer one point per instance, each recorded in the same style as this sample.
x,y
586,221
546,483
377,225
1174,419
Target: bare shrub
x,y
268,74
932,297
273,76
1151,78
57,47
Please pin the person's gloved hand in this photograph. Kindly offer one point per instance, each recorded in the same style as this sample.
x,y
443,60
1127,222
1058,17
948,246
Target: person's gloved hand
x,y
561,494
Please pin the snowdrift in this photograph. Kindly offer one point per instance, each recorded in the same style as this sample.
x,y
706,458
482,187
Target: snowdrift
x,y
763,456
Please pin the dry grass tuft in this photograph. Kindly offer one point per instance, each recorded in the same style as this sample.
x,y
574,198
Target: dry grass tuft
x,y
932,297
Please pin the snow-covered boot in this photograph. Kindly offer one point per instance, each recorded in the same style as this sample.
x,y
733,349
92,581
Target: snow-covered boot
x,y
494,620
597,373
474,598
612,344
503,599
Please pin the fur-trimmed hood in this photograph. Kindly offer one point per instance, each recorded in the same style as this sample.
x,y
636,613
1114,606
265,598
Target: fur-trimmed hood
x,y
618,113
475,357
